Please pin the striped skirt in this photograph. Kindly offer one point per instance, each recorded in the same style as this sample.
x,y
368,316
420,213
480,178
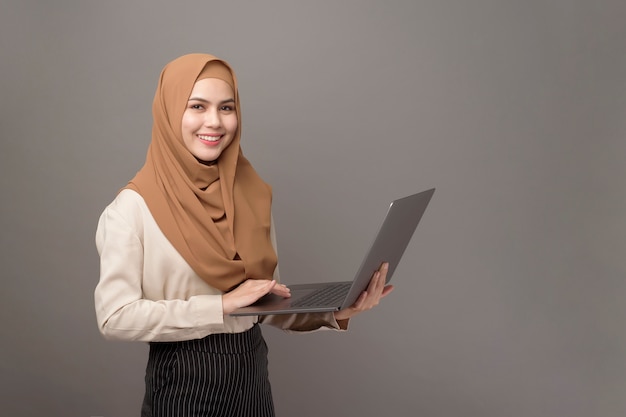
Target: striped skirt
x,y
219,375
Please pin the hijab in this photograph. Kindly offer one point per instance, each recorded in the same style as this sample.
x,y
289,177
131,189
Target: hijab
x,y
216,216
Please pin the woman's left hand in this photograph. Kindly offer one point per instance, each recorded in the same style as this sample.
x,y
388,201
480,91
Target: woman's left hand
x,y
370,297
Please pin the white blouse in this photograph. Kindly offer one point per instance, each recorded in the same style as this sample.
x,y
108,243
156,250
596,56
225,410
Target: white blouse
x,y
148,292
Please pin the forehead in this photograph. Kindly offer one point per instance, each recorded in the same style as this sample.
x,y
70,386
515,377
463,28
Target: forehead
x,y
211,89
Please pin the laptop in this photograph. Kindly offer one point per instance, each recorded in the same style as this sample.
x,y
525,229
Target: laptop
x,y
389,245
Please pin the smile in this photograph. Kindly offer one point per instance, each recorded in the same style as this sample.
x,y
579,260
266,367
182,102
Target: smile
x,y
209,138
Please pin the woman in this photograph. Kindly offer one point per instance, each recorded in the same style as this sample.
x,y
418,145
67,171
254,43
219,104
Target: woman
x,y
189,240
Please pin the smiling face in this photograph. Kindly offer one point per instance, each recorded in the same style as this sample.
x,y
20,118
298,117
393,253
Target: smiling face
x,y
209,122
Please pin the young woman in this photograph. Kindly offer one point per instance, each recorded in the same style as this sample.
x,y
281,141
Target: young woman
x,y
189,240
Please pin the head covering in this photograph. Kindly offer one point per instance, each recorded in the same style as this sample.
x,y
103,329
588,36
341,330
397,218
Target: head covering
x,y
216,216
216,69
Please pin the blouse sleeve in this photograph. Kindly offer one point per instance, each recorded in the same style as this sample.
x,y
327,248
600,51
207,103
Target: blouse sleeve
x,y
121,309
304,322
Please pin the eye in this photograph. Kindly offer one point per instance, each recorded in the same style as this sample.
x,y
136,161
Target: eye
x,y
196,106
227,108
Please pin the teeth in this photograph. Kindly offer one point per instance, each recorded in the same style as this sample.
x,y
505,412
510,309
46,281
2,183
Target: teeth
x,y
209,138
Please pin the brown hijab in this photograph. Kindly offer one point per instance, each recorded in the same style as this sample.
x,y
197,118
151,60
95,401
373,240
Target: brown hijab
x,y
216,216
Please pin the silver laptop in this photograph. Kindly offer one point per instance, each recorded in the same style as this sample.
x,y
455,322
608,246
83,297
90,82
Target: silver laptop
x,y
389,245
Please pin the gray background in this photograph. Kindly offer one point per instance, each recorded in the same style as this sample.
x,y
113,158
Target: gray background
x,y
510,299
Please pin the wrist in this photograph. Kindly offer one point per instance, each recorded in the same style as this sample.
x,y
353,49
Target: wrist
x,y
341,315
227,307
341,322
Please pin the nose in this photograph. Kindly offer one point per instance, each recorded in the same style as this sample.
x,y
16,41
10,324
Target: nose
x,y
212,118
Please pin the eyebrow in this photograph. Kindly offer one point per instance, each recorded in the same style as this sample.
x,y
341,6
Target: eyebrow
x,y
228,100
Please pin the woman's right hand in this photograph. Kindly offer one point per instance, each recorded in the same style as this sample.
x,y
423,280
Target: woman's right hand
x,y
250,291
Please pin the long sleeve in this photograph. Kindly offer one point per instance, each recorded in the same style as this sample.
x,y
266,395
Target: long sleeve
x,y
146,290
303,322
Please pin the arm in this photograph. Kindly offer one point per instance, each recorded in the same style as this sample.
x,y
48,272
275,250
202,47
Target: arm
x,y
338,320
304,322
123,310
376,290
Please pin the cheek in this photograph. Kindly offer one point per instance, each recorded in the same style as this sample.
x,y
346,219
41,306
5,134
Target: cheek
x,y
231,124
185,125
190,123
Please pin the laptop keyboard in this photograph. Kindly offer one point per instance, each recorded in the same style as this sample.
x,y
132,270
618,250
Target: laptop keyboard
x,y
332,295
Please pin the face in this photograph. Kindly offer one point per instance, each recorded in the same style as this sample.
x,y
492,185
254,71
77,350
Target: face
x,y
210,120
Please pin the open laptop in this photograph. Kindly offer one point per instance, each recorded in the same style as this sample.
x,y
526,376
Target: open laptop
x,y
389,245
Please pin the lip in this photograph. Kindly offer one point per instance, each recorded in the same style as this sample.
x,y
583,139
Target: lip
x,y
210,142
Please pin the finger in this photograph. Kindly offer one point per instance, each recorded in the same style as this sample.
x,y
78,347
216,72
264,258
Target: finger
x,y
259,288
384,268
371,287
387,290
374,297
358,304
380,283
376,285
281,290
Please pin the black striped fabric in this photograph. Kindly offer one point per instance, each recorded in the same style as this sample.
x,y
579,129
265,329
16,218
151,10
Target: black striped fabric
x,y
221,375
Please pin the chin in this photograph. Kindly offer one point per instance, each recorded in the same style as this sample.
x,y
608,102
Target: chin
x,y
208,159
